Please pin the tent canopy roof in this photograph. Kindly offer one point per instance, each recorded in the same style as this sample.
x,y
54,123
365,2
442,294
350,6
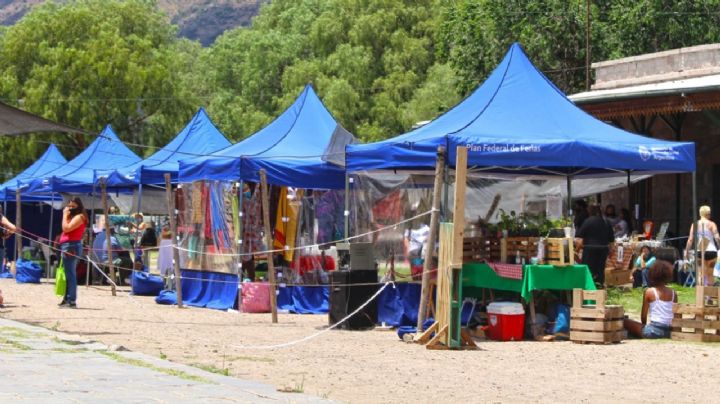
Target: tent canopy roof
x,y
199,137
76,176
517,121
50,161
292,149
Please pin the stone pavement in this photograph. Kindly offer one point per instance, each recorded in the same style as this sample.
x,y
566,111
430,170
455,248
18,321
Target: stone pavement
x,y
39,365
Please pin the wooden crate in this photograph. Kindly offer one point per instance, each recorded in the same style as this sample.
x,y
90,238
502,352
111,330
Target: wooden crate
x,y
599,323
699,322
615,277
510,246
559,251
480,248
625,251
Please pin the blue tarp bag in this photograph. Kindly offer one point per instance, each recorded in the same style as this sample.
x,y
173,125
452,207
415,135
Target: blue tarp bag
x,y
562,321
27,272
5,272
145,284
166,297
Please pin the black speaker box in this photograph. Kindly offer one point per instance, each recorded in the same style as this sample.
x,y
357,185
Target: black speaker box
x,y
348,291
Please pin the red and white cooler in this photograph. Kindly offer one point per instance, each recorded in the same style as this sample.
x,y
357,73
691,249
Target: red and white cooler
x,y
506,321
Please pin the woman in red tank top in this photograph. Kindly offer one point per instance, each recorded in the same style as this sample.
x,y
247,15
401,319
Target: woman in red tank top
x,y
74,222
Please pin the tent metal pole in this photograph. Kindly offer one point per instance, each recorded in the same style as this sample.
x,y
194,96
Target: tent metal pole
x,y
270,246
569,196
434,219
50,238
346,213
92,235
2,242
172,211
18,224
699,281
444,213
108,235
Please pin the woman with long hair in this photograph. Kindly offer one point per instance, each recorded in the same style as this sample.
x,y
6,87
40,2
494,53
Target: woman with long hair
x,y
708,241
74,222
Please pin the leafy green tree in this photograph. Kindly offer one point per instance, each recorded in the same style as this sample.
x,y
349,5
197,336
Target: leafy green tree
x,y
88,63
367,59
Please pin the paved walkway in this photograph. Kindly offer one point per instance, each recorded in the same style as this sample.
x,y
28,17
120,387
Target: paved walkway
x,y
39,365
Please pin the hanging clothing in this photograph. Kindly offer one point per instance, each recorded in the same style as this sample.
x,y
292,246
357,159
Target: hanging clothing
x,y
252,225
286,223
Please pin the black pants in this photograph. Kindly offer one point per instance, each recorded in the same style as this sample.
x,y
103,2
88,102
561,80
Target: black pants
x,y
595,259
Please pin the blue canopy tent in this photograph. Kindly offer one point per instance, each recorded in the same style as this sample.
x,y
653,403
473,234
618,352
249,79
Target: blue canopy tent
x,y
296,149
50,161
199,137
518,122
302,147
77,176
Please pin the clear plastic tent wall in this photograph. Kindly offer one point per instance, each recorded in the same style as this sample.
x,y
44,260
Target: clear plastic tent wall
x,y
391,209
206,226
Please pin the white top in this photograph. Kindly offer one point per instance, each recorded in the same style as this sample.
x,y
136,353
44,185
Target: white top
x,y
704,231
661,311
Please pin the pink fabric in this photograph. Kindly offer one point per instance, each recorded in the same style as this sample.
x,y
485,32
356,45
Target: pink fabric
x,y
510,271
255,297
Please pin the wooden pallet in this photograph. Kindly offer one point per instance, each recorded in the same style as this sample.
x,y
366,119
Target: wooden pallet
x,y
559,251
480,248
623,251
596,324
526,246
699,322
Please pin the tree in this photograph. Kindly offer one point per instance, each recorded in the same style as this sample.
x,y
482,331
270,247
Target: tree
x,y
88,63
366,59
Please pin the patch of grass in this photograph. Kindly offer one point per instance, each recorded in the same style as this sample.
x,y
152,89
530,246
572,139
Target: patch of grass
x,y
17,332
297,388
213,369
631,299
14,344
137,362
162,355
250,359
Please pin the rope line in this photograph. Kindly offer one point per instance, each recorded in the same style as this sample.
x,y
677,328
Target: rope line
x,y
317,334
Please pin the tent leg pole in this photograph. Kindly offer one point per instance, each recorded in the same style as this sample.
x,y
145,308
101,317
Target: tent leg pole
x,y
108,235
4,212
18,224
434,218
50,238
699,277
269,240
346,213
569,196
173,231
92,236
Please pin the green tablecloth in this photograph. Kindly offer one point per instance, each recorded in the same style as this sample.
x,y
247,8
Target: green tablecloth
x,y
556,278
480,275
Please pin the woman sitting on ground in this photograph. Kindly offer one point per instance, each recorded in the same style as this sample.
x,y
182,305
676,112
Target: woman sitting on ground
x,y
658,300
642,264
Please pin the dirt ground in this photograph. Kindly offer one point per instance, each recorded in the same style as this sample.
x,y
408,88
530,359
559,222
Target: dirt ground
x,y
375,366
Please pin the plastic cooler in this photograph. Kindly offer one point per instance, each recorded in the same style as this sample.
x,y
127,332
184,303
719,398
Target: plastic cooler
x,y
506,321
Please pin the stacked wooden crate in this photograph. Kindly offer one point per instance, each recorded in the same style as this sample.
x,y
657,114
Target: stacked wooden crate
x,y
618,267
525,247
599,323
699,322
479,248
560,251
